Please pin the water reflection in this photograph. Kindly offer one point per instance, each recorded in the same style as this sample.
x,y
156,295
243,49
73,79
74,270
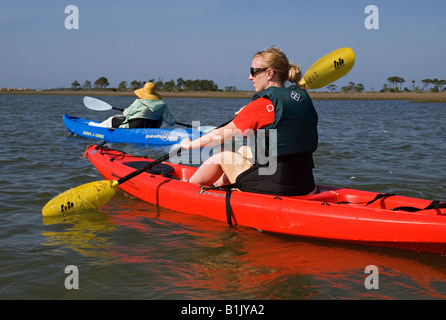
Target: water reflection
x,y
181,256
87,234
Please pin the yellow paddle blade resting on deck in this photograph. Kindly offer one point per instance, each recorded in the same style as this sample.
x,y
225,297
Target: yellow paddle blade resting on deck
x,y
328,69
89,196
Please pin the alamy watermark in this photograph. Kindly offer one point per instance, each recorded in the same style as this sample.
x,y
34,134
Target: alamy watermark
x,y
72,20
372,20
262,147
372,280
72,280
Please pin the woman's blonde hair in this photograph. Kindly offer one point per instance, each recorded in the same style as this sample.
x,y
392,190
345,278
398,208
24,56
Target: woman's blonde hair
x,y
275,59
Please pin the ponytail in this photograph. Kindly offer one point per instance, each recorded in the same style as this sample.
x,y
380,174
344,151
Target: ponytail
x,y
294,74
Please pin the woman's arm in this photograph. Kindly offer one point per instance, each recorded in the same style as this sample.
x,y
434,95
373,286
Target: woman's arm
x,y
257,114
213,138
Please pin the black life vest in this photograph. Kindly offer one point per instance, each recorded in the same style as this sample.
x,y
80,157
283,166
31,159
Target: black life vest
x,y
297,138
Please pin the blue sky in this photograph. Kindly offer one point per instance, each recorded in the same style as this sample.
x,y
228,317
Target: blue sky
x,y
214,39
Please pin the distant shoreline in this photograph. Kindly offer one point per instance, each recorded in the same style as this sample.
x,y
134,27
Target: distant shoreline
x,y
424,97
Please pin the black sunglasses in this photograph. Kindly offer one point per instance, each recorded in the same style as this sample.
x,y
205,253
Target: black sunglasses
x,y
255,70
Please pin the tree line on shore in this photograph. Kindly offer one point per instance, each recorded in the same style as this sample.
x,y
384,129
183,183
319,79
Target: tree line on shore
x,y
168,86
395,85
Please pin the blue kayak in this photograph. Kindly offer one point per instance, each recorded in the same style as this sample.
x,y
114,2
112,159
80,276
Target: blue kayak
x,y
154,136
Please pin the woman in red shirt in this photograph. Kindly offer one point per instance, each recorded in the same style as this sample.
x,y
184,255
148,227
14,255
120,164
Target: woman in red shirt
x,y
269,69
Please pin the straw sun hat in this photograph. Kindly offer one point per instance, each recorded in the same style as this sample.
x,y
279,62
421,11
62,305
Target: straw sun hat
x,y
148,92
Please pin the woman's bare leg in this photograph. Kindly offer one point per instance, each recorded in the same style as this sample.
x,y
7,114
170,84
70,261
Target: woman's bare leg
x,y
220,169
209,172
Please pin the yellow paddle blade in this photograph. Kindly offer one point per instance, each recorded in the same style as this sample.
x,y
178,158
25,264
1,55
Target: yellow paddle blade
x,y
328,69
87,196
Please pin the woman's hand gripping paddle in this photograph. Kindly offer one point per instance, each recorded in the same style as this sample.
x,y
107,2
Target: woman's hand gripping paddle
x,y
93,195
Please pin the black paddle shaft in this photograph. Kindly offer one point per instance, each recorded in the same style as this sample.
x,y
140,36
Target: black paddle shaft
x,y
156,162
149,166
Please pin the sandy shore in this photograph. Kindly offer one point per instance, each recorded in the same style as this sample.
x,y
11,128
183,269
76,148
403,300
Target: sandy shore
x,y
426,97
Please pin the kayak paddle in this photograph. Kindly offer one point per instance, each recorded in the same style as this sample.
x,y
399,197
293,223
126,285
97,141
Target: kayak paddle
x,y
328,69
98,105
91,196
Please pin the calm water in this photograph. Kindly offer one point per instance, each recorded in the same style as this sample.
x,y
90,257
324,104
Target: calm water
x,y
134,250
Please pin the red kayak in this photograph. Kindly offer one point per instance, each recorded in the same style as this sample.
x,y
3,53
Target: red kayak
x,y
334,214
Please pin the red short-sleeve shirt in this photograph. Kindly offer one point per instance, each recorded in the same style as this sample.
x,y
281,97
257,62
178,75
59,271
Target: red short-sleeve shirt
x,y
256,115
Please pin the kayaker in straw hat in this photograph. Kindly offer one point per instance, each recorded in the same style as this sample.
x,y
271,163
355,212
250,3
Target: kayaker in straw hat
x,y
285,111
148,111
